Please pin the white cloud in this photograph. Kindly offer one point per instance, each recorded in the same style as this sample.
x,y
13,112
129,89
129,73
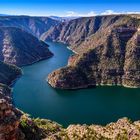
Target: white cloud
x,y
93,13
133,12
71,14
75,14
110,12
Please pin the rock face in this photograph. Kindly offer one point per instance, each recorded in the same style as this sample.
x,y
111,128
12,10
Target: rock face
x,y
8,122
76,31
108,57
21,48
8,74
5,93
38,129
9,116
34,25
123,129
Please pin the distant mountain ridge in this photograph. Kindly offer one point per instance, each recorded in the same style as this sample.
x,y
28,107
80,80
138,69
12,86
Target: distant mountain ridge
x,y
63,19
33,25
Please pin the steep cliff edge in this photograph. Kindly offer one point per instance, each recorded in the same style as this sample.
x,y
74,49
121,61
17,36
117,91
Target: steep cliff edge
x,y
108,57
21,48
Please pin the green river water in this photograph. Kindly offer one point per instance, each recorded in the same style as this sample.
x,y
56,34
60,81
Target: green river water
x,y
100,105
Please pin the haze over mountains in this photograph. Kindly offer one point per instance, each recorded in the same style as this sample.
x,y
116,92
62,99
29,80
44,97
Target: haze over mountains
x,y
63,19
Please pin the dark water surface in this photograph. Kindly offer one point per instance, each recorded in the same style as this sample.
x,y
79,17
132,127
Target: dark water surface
x,y
100,105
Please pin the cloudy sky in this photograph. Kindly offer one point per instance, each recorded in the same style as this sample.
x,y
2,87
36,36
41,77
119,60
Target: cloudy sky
x,y
68,7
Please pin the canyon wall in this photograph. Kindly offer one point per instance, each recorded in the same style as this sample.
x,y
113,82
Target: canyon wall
x,y
108,57
20,47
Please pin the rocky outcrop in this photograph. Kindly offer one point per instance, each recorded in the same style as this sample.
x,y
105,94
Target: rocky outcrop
x,y
48,130
123,129
108,57
34,25
21,48
9,122
38,129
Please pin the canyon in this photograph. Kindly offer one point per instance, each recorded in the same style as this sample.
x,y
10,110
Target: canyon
x,y
107,53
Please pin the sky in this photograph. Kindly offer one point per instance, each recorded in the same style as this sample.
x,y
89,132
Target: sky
x,y
68,7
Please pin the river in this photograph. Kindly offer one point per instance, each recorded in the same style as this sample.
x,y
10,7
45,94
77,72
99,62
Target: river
x,y
101,105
